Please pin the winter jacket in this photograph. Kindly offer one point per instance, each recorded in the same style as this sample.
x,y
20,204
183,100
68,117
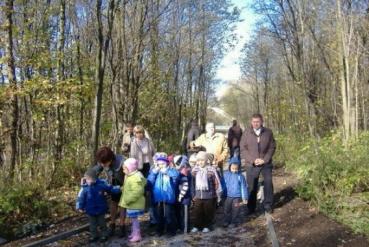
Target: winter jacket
x,y
236,186
91,198
216,145
139,154
254,147
114,173
163,185
184,188
133,191
214,190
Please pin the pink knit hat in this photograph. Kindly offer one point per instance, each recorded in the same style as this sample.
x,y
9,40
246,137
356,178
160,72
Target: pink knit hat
x,y
131,164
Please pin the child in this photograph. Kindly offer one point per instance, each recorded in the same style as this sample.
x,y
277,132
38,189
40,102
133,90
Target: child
x,y
133,199
236,187
163,181
171,161
193,160
150,198
91,199
180,160
207,189
184,197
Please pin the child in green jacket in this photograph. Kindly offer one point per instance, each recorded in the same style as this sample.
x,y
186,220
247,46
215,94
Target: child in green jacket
x,y
133,199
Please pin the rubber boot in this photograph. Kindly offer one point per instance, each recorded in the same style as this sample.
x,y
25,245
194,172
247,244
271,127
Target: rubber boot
x,y
132,232
136,231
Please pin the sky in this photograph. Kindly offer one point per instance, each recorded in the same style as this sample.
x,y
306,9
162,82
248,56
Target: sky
x,y
229,69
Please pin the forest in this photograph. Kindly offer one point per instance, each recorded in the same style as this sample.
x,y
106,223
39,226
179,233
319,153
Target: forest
x,y
306,69
73,73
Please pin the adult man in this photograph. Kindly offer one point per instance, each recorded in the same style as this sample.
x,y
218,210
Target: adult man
x,y
234,138
214,143
110,165
257,149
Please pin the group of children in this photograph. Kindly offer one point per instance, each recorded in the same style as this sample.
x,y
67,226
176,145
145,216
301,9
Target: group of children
x,y
173,185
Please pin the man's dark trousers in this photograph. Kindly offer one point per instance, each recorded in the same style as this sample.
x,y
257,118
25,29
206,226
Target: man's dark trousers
x,y
253,173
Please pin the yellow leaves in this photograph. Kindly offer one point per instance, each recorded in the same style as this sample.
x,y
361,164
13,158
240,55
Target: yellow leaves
x,y
7,93
46,92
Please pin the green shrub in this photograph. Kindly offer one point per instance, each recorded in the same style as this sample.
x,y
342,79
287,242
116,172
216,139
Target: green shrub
x,y
333,176
25,208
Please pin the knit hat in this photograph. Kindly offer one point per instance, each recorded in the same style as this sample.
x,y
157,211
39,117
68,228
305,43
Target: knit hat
x,y
180,160
131,164
202,156
158,155
91,173
164,159
234,160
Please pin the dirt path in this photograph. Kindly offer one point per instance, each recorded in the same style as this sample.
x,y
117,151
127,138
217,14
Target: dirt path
x,y
299,224
295,222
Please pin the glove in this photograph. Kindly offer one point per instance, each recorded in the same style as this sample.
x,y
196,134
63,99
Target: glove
x,y
156,169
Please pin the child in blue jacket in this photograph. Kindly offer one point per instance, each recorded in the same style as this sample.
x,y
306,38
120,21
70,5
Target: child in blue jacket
x,y
237,193
163,181
92,201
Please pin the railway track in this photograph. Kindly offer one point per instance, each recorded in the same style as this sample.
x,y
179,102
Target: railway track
x,y
67,234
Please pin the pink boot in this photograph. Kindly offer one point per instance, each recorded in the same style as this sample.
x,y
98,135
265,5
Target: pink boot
x,y
136,236
132,232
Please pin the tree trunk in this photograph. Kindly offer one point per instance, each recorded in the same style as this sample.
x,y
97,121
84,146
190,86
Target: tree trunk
x,y
59,140
343,74
9,8
102,49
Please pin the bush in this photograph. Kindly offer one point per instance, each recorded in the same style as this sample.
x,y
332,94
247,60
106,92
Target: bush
x,y
24,209
333,176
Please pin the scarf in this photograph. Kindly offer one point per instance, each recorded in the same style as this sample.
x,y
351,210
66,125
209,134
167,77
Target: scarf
x,y
202,182
166,178
202,179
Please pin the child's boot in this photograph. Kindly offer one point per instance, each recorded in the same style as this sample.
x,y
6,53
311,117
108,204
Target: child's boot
x,y
136,237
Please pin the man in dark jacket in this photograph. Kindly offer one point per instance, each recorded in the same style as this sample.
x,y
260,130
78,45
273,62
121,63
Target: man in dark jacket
x,y
257,149
234,138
